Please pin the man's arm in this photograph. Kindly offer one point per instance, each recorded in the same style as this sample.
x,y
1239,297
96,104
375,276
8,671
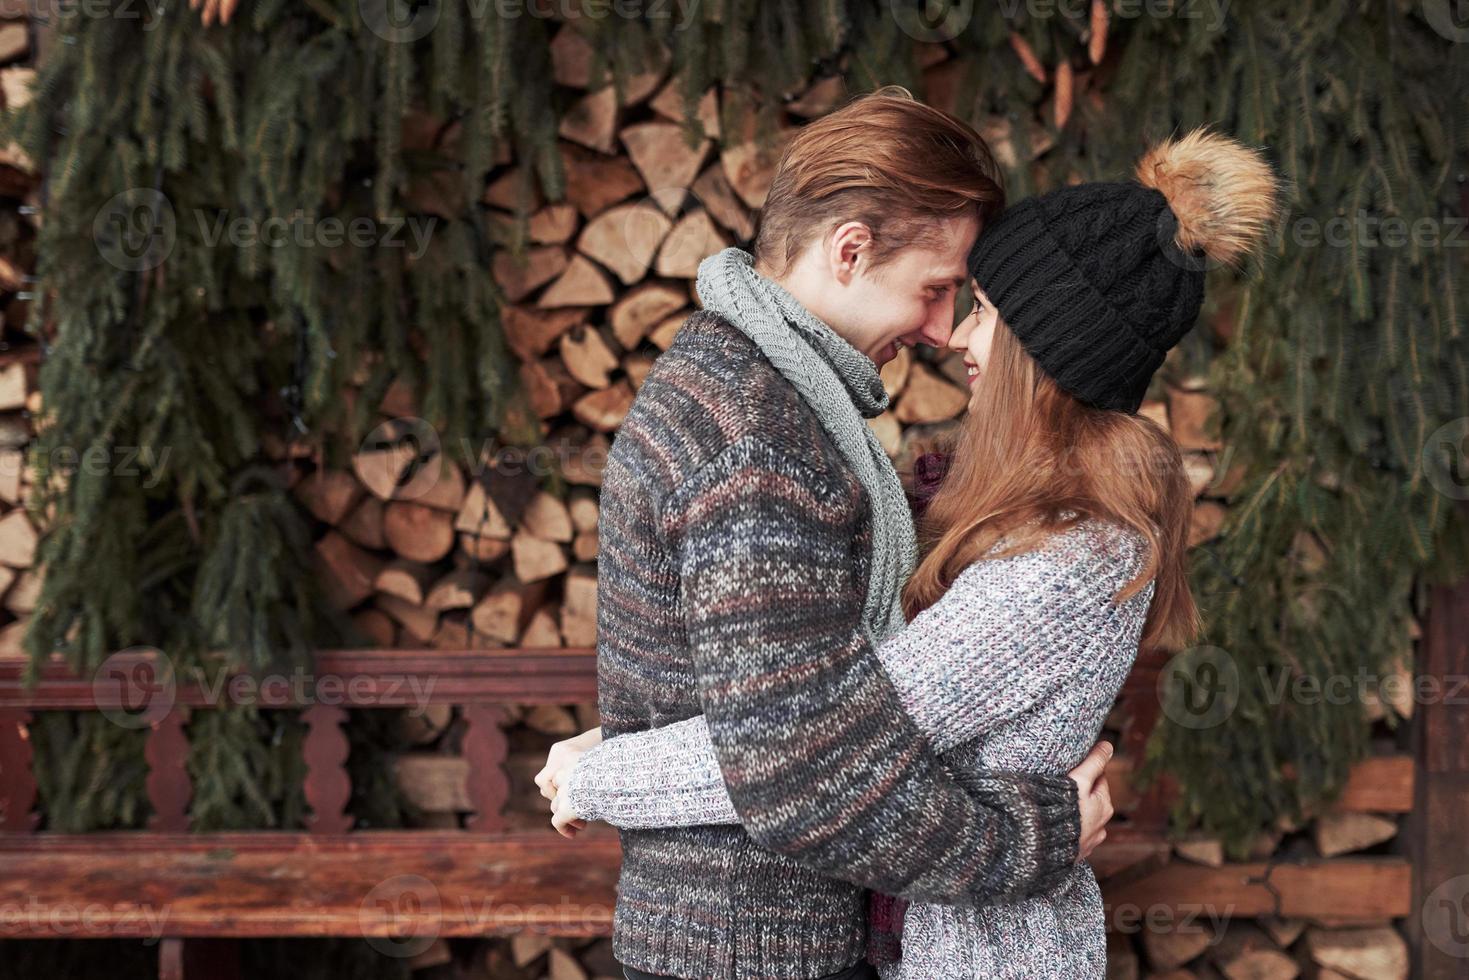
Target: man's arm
x,y
818,756
972,662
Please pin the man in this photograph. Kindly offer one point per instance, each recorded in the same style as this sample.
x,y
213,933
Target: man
x,y
754,542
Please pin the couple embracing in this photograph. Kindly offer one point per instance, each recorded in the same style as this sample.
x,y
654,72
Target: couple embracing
x,y
840,744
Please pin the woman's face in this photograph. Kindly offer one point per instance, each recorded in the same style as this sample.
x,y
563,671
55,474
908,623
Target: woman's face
x,y
975,333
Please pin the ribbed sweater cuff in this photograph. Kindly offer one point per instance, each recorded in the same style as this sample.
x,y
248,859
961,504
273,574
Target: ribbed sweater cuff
x,y
1060,829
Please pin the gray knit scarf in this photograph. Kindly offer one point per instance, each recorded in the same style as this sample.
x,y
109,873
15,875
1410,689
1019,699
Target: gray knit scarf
x,y
842,386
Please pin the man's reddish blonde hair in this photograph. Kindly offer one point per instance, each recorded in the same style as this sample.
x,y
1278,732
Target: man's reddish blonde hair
x,y
886,160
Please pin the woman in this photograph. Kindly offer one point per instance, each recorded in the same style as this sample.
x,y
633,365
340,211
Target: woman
x,y
1054,546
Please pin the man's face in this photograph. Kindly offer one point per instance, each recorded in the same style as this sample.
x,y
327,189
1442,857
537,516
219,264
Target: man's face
x,y
909,300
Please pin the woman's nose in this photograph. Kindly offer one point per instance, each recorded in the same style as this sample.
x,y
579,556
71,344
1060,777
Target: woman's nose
x,y
959,336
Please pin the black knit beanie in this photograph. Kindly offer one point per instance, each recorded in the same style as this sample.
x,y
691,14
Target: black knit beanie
x,y
1099,281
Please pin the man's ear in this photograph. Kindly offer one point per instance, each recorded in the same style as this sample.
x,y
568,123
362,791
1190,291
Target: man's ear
x,y
848,247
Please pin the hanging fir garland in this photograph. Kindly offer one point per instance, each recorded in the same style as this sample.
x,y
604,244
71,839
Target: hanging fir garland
x,y
1341,361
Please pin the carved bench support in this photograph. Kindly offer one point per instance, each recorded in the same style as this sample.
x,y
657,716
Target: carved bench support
x,y
327,786
168,784
17,781
485,748
198,959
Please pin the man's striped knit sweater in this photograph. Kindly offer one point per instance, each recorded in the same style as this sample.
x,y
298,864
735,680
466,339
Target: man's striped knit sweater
x,y
731,582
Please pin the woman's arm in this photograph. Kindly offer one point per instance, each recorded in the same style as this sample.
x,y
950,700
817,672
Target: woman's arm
x,y
661,777
1003,639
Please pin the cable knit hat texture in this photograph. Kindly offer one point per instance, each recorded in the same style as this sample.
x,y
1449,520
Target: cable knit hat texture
x,y
1099,281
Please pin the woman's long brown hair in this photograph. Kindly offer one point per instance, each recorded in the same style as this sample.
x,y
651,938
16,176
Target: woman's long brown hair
x,y
1028,454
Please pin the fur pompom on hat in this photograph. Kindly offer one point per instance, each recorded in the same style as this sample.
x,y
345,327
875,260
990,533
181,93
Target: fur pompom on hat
x,y
1222,194
1099,281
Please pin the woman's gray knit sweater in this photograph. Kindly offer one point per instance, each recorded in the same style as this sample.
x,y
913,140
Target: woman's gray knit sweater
x,y
1014,668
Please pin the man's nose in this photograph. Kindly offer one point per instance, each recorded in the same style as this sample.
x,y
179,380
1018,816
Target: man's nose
x,y
937,331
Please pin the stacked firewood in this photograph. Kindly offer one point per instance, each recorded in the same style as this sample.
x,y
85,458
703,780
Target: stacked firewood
x,y
525,956
436,559
599,287
20,582
1260,949
1265,949
435,778
425,552
1346,847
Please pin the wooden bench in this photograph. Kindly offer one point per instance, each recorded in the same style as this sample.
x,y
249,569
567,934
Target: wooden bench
x,y
198,892
401,889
